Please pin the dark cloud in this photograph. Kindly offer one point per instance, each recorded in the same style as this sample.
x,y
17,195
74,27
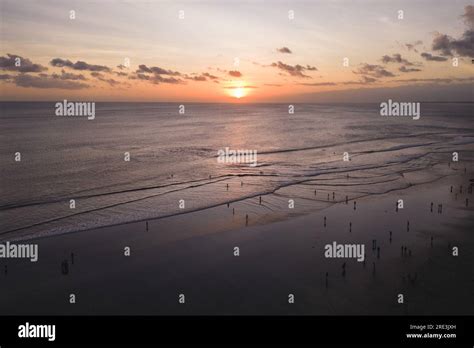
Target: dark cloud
x,y
139,76
121,66
5,77
142,68
110,81
442,43
79,65
235,73
366,79
373,70
464,46
120,73
68,76
294,70
404,69
10,62
284,50
102,78
155,75
197,78
396,58
430,57
44,81
273,84
212,77
202,77
156,79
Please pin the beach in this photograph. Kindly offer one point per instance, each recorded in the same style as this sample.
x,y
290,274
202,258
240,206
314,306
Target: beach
x,y
176,230
193,254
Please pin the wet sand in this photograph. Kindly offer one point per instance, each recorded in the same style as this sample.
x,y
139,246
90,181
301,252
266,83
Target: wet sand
x,y
281,253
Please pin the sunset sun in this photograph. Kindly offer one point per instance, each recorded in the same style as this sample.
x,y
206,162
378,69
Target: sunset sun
x,y
238,92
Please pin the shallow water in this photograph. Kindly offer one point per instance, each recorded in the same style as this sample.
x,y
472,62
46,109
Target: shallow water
x,y
174,157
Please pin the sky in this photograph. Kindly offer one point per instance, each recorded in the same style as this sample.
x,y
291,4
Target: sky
x,y
236,51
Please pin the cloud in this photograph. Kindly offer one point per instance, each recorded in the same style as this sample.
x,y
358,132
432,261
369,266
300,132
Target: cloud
x,y
202,77
5,77
212,77
45,81
10,62
412,46
373,70
319,84
235,87
235,73
142,68
464,46
442,43
139,76
404,69
396,58
284,50
102,78
363,81
448,46
156,79
156,73
215,78
438,80
196,78
273,84
366,79
294,70
430,57
79,65
68,76
110,81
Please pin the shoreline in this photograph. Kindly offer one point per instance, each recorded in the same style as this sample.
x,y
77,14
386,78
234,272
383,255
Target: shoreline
x,y
281,187
280,253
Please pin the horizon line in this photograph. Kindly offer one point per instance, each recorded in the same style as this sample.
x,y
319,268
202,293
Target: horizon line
x,y
232,103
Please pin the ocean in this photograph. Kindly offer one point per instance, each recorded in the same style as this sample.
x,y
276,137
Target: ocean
x,y
173,165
